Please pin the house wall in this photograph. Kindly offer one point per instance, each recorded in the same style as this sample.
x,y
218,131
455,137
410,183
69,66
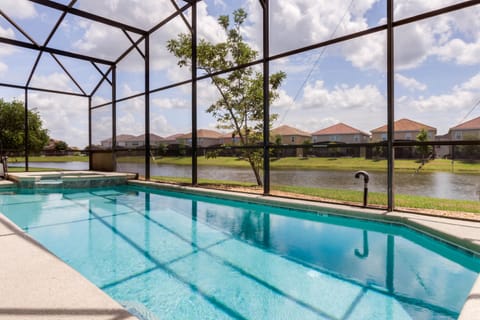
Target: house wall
x,y
402,135
473,134
345,138
293,139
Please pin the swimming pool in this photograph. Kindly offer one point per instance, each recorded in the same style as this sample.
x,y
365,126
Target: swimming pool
x,y
190,257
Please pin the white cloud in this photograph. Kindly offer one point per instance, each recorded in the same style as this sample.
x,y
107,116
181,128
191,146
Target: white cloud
x,y
284,101
159,125
410,83
57,81
3,68
459,51
171,103
65,117
21,9
321,107
448,107
367,98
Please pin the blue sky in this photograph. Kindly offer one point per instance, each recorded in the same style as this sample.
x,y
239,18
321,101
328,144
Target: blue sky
x,y
437,74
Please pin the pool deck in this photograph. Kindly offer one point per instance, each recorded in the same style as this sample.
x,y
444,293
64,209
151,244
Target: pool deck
x,y
35,284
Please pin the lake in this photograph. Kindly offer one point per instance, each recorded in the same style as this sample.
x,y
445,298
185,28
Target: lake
x,y
431,184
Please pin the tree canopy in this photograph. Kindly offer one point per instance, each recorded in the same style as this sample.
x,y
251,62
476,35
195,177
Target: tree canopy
x,y
12,128
240,106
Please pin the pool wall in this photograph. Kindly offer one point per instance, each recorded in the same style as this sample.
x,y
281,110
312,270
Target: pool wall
x,y
69,179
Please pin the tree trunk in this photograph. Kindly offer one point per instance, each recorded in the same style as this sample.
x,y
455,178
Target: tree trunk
x,y
255,169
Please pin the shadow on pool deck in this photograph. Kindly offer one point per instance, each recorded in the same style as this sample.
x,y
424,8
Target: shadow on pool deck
x,y
38,285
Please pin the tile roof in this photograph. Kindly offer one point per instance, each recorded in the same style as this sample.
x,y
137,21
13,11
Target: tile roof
x,y
468,125
153,137
339,128
404,125
289,131
203,133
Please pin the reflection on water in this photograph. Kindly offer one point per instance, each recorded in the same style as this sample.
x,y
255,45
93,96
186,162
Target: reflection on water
x,y
445,185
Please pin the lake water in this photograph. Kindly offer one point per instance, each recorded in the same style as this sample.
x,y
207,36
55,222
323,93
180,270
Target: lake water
x,y
431,184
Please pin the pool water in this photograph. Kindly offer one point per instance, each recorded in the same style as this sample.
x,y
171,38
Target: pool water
x,y
178,256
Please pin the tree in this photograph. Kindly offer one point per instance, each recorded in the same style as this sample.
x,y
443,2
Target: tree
x,y
12,132
60,145
423,149
240,106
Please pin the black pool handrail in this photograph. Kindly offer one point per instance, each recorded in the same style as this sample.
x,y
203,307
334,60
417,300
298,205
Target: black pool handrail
x,y
366,178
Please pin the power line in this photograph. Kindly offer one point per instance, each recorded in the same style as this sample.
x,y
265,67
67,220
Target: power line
x,y
297,94
469,112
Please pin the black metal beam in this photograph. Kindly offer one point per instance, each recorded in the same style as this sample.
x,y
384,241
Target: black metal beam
x,y
194,96
90,160
266,99
15,86
27,45
133,43
147,108
26,140
114,116
89,16
104,75
390,108
182,15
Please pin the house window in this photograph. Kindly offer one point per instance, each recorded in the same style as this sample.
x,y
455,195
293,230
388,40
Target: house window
x,y
356,138
292,139
408,136
384,137
458,135
333,138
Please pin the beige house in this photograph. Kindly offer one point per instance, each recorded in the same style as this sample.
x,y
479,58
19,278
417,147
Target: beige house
x,y
172,139
205,138
123,140
404,129
290,135
131,141
340,132
469,130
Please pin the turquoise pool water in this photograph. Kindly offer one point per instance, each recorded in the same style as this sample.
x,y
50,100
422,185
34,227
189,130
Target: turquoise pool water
x,y
192,257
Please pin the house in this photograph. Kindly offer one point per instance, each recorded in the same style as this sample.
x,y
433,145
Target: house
x,y
290,135
122,141
404,129
155,140
205,138
129,141
172,139
340,132
469,130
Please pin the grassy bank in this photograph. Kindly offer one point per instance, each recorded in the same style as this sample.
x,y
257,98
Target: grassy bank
x,y
349,196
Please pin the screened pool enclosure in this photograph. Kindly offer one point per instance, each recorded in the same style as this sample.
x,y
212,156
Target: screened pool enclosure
x,y
286,98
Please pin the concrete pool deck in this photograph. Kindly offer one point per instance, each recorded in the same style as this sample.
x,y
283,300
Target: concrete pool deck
x,y
38,285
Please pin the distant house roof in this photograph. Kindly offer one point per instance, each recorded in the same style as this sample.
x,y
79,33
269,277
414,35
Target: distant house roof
x,y
404,125
203,133
153,137
174,136
339,128
121,137
468,125
289,131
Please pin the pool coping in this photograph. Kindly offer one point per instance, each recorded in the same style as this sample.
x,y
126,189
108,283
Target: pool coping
x,y
464,234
